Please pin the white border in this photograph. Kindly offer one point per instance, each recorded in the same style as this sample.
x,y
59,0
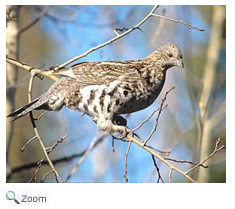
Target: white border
x,y
130,195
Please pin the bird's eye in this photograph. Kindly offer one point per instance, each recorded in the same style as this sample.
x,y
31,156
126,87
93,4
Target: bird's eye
x,y
170,55
181,56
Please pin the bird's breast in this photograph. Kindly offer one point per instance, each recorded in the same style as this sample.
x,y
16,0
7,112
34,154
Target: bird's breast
x,y
142,96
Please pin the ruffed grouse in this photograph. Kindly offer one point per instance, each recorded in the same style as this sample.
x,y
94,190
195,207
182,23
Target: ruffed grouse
x,y
104,90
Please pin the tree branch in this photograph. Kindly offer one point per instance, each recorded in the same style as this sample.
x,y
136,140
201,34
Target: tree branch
x,y
37,132
158,116
36,71
93,144
157,169
118,36
161,158
216,149
126,155
178,21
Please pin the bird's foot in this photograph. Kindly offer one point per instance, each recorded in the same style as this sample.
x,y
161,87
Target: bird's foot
x,y
117,125
123,133
121,127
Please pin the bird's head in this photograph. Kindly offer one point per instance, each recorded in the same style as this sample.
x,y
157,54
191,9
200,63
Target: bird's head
x,y
170,55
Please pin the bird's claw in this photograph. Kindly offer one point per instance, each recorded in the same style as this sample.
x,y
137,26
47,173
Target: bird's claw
x,y
124,133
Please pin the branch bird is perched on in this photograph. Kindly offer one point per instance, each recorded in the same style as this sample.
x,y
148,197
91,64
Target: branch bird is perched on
x,y
104,90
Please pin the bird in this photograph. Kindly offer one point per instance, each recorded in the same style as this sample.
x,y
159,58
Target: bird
x,y
105,90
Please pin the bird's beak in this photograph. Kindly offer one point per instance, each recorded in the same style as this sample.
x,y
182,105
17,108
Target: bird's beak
x,y
180,63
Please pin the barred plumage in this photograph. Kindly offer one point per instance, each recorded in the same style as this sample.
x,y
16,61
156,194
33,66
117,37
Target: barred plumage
x,y
104,90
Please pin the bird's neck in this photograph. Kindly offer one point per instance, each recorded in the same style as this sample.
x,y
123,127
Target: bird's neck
x,y
152,75
153,71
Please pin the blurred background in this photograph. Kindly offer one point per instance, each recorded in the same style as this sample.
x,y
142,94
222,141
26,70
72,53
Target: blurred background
x,y
189,127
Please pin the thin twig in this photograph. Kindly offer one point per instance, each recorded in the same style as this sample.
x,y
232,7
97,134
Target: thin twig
x,y
36,130
116,33
161,158
44,148
93,144
158,170
27,143
45,176
147,119
178,21
184,161
44,162
163,153
34,177
170,175
126,155
158,116
217,149
59,141
40,116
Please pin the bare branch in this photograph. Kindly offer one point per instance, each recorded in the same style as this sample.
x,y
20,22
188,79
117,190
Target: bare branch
x,y
27,143
158,170
184,161
117,37
50,149
39,165
48,74
36,130
158,116
163,153
147,119
126,155
44,162
45,176
161,158
217,149
92,145
178,21
170,175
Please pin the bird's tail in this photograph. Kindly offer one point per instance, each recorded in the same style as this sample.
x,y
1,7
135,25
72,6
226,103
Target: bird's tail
x,y
36,104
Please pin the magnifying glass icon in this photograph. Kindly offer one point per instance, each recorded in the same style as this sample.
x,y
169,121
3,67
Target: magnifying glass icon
x,y
10,195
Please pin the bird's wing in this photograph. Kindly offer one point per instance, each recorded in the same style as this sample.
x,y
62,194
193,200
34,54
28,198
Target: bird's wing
x,y
98,73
